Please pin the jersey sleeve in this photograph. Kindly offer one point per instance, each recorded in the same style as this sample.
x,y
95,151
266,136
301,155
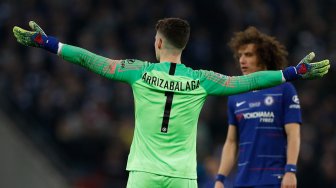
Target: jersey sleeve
x,y
292,109
128,70
218,84
230,112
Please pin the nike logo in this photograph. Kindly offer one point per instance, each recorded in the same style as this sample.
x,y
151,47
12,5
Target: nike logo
x,y
240,103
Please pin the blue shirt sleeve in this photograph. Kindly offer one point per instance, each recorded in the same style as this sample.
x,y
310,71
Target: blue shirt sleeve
x,y
292,109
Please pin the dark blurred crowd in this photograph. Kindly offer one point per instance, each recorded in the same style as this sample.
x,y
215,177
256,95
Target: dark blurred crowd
x,y
84,123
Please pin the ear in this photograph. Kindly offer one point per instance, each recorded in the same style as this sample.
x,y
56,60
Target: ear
x,y
160,43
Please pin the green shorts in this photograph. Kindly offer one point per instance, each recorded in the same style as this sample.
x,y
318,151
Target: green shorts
x,y
137,179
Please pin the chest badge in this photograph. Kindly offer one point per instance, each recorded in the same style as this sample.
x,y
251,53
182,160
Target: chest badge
x,y
269,101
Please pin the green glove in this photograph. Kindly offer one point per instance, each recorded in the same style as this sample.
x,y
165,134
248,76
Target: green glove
x,y
307,70
35,38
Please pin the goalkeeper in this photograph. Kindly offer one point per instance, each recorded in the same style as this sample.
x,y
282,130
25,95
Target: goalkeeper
x,y
168,98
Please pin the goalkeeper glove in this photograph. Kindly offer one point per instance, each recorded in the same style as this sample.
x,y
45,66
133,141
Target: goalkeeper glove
x,y
307,70
36,38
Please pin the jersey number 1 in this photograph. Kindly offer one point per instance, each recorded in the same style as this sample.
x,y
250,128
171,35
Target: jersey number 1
x,y
166,113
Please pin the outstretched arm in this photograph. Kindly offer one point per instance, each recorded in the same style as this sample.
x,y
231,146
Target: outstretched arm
x,y
123,70
218,84
93,62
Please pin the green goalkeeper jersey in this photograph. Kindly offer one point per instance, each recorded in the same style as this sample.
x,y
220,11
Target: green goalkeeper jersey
x,y
168,99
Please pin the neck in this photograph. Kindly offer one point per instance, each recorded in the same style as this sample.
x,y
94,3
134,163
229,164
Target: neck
x,y
170,57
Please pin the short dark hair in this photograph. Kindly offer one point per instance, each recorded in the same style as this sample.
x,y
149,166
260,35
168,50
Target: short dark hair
x,y
269,51
175,30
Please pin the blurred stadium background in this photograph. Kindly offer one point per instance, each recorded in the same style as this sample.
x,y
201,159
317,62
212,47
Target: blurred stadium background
x,y
62,126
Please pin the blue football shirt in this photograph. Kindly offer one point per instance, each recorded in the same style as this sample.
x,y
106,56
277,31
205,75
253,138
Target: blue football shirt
x,y
260,117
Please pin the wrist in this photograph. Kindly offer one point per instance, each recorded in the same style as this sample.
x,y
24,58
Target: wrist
x,y
51,44
221,178
290,168
46,42
290,74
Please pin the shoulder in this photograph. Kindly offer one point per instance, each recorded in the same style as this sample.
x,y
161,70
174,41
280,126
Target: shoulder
x,y
134,62
289,92
210,75
287,86
190,72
